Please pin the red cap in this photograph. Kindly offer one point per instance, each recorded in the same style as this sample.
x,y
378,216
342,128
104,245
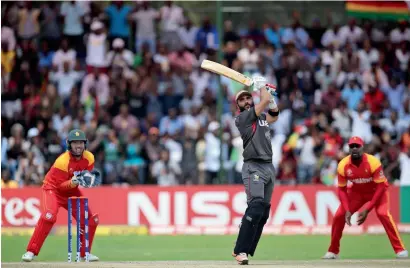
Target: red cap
x,y
356,140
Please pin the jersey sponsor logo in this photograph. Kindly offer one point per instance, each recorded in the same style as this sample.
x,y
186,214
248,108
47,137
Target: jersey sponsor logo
x,y
263,123
362,180
349,172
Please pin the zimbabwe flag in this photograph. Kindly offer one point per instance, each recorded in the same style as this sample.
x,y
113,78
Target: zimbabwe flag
x,y
379,10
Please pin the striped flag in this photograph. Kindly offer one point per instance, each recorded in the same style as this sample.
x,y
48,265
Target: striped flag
x,y
379,10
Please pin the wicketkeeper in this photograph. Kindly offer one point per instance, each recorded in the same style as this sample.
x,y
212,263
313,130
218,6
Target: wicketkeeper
x,y
258,173
369,190
72,168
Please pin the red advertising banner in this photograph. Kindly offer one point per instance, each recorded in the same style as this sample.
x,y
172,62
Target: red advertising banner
x,y
195,209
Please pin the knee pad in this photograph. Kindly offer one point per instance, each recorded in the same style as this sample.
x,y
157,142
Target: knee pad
x,y
255,211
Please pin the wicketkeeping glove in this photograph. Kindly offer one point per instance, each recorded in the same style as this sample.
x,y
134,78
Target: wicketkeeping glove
x,y
87,179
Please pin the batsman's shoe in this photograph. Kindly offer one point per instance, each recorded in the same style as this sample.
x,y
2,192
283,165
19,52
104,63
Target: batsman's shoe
x,y
242,259
28,256
402,254
91,258
330,256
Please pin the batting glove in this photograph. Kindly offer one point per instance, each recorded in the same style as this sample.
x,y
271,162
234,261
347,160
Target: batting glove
x,y
272,90
258,82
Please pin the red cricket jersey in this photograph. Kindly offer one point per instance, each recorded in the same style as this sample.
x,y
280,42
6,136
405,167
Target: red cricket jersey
x,y
64,169
364,177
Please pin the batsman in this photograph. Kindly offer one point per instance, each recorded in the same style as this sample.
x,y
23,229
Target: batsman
x,y
369,190
71,169
258,173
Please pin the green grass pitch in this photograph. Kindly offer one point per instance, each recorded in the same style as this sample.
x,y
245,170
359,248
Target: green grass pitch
x,y
161,248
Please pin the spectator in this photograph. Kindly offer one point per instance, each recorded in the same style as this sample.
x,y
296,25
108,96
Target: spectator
x,y
166,171
7,59
249,57
395,94
161,58
28,26
207,36
403,56
134,163
316,32
374,98
172,18
187,34
351,33
306,158
311,53
124,122
331,37
273,34
229,34
73,14
64,54
6,180
212,153
96,47
7,34
182,59
120,60
325,75
145,19
117,14
400,34
253,33
65,81
152,146
99,82
342,120
360,122
331,98
367,55
171,124
189,159
295,34
50,29
46,56
287,168
112,158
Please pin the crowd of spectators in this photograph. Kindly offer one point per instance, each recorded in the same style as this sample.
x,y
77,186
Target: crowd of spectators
x,y
129,76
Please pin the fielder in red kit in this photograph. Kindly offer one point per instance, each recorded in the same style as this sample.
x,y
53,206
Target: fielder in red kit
x,y
369,190
60,183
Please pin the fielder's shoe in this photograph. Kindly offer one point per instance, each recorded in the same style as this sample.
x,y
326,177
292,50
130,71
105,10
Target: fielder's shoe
x,y
233,254
28,256
402,254
242,259
330,256
91,258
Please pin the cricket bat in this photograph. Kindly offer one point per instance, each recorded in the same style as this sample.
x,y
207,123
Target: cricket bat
x,y
225,71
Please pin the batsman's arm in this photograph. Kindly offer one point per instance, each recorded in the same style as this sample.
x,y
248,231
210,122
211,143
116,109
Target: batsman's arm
x,y
342,187
273,113
265,99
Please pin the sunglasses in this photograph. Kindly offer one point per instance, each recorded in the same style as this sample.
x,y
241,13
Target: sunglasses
x,y
354,146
